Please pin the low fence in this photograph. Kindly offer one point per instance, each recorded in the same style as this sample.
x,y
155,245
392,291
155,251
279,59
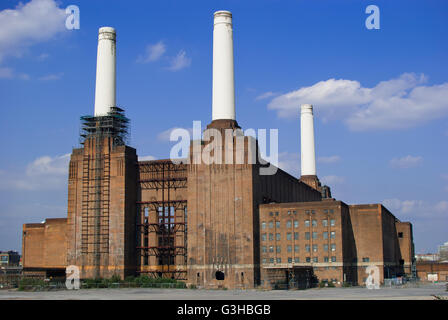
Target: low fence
x,y
117,285
401,283
50,286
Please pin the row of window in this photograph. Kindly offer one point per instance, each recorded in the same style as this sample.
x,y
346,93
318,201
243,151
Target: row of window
x,y
289,223
315,248
289,235
294,212
297,260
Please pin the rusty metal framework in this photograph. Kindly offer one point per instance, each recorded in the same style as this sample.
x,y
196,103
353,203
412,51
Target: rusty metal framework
x,y
162,228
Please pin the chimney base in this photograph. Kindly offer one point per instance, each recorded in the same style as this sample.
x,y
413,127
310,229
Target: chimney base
x,y
313,182
221,124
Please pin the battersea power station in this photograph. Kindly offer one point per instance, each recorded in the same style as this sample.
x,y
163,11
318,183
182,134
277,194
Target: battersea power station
x,y
213,224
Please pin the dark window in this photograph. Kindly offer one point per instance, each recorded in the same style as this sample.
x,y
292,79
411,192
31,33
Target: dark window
x,y
219,275
400,234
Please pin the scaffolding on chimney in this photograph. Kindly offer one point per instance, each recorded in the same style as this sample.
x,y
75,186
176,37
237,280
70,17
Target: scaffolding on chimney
x,y
112,129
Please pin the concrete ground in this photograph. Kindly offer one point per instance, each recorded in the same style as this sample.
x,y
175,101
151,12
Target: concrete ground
x,y
423,292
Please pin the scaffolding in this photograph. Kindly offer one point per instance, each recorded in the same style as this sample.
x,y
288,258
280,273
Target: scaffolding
x,y
114,125
99,135
162,229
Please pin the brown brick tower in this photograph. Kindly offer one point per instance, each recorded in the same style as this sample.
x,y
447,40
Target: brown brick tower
x,y
101,199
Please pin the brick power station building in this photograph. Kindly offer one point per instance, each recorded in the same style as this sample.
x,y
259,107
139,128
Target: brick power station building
x,y
220,223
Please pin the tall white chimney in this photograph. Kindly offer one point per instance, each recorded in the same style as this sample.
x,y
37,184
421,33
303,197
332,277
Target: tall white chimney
x,y
223,79
308,154
105,71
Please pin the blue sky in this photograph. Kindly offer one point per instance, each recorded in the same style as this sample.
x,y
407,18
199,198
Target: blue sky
x,y
380,96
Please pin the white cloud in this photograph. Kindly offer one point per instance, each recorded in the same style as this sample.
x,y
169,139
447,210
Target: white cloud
x,y
332,180
43,56
406,162
47,165
36,21
442,206
9,73
146,158
328,160
165,135
266,95
43,173
180,61
50,77
417,208
153,52
397,103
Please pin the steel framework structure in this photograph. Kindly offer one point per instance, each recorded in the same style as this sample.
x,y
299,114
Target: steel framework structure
x,y
162,227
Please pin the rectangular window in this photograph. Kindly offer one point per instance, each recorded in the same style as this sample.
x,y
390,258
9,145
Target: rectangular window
x,y
271,224
314,235
325,235
307,248
296,248
308,259
314,222
400,234
271,260
307,223
263,225
314,247
325,247
288,224
333,247
313,211
277,224
276,213
271,248
326,259
289,213
332,222
315,259
264,261
271,236
294,212
365,259
271,214
331,210
296,260
289,260
289,248
326,211
279,249
277,236
296,223
289,236
263,237
296,236
263,249
307,235
325,223
279,260
332,235
333,259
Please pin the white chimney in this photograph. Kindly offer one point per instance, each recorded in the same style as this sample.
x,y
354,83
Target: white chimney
x,y
223,80
105,71
308,154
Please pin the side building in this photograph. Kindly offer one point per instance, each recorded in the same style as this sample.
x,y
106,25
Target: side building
x,y
336,241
